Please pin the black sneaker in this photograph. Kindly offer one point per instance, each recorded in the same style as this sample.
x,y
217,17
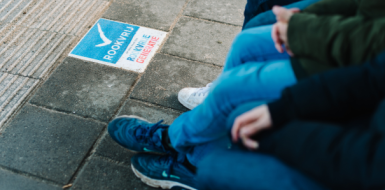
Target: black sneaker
x,y
137,134
163,171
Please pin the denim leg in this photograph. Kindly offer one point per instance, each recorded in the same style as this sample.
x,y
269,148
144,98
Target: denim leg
x,y
268,17
207,122
253,45
200,151
255,7
238,170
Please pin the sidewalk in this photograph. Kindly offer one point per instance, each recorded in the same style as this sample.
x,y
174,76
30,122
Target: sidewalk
x,y
55,112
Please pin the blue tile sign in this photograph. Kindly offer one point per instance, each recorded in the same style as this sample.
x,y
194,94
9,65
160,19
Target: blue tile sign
x,y
119,45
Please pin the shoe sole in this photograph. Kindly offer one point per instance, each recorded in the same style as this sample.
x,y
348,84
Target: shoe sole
x,y
132,116
185,104
158,183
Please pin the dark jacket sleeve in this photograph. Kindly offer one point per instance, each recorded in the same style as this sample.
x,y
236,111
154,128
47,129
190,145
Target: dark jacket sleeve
x,y
333,95
342,156
336,40
335,156
333,7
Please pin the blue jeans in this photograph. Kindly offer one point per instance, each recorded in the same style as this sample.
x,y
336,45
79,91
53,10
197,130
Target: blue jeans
x,y
254,71
268,17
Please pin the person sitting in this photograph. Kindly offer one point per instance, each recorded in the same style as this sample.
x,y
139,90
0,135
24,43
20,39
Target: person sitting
x,y
326,35
253,72
330,127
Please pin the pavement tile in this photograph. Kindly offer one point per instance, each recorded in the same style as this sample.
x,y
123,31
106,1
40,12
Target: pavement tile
x,y
150,112
47,144
12,181
227,11
86,89
110,149
167,75
100,174
201,40
159,14
14,89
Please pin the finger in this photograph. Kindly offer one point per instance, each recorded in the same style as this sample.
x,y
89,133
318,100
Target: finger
x,y
235,130
245,119
282,14
276,10
288,50
250,129
275,36
282,30
250,144
253,128
241,121
295,10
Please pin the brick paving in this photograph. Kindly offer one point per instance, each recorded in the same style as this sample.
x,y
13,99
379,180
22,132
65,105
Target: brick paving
x,y
57,135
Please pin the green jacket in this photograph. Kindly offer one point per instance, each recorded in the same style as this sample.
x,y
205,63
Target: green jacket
x,y
336,33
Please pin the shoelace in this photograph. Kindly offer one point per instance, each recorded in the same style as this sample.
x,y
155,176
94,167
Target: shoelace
x,y
203,91
146,133
172,160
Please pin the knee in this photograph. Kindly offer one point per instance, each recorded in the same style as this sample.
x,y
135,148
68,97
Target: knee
x,y
243,40
221,85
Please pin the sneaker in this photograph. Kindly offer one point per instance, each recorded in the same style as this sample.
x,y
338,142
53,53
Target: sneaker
x,y
192,97
163,171
137,134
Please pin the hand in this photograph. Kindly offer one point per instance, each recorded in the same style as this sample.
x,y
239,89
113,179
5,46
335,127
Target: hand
x,y
249,124
279,32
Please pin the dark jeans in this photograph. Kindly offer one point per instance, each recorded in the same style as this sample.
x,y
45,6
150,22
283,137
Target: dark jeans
x,y
249,170
238,169
258,12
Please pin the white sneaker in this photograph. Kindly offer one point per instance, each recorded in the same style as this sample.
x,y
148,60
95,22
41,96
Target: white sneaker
x,y
192,97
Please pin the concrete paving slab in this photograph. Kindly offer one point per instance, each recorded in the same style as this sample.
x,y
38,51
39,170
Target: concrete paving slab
x,y
158,14
227,11
86,89
60,16
101,174
110,149
201,40
35,33
13,90
167,75
47,144
33,53
13,181
150,112
11,8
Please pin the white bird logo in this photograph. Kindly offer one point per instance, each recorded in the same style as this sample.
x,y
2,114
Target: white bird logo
x,y
103,37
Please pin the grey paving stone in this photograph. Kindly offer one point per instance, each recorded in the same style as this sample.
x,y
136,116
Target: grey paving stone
x,y
167,75
87,89
47,144
201,40
110,149
100,174
159,14
227,11
150,112
12,181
